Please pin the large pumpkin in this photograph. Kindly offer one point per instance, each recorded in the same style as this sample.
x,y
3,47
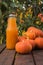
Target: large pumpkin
x,y
23,47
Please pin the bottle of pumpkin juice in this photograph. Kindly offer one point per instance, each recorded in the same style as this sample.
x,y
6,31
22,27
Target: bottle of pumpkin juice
x,y
11,32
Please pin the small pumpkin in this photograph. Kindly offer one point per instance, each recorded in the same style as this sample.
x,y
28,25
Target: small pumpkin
x,y
21,38
37,31
30,35
39,42
40,15
41,19
33,29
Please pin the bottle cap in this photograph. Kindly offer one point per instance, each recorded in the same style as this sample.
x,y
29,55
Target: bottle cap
x,y
12,15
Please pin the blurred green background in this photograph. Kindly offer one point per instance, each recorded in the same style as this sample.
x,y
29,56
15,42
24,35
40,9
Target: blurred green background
x,y
27,15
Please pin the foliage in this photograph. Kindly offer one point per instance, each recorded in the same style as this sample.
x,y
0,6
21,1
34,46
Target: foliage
x,y
26,12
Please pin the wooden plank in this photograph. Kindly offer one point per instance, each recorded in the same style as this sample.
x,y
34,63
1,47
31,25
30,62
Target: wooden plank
x,y
7,57
2,47
38,57
25,59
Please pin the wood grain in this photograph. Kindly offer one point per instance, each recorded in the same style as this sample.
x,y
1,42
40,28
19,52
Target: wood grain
x,y
25,59
7,57
38,57
2,47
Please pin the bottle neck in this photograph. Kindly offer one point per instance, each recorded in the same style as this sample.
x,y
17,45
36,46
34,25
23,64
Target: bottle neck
x,y
12,22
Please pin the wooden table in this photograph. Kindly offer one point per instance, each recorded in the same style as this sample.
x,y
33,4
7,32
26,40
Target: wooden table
x,y
11,57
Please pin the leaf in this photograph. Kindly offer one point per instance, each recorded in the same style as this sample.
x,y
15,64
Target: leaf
x,y
5,4
0,13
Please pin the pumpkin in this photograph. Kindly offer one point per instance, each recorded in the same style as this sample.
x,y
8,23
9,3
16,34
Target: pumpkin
x,y
41,19
32,42
39,42
20,38
39,15
30,35
23,47
37,31
32,29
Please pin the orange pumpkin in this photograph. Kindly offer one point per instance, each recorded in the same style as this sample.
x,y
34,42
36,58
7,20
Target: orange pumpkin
x,y
32,42
32,29
41,19
39,42
39,15
23,47
20,38
30,35
37,31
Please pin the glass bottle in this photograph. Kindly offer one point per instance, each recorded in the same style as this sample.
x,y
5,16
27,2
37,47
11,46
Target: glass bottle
x,y
11,32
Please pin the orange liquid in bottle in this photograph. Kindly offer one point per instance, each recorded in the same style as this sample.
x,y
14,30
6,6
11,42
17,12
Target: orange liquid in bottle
x,y
11,33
